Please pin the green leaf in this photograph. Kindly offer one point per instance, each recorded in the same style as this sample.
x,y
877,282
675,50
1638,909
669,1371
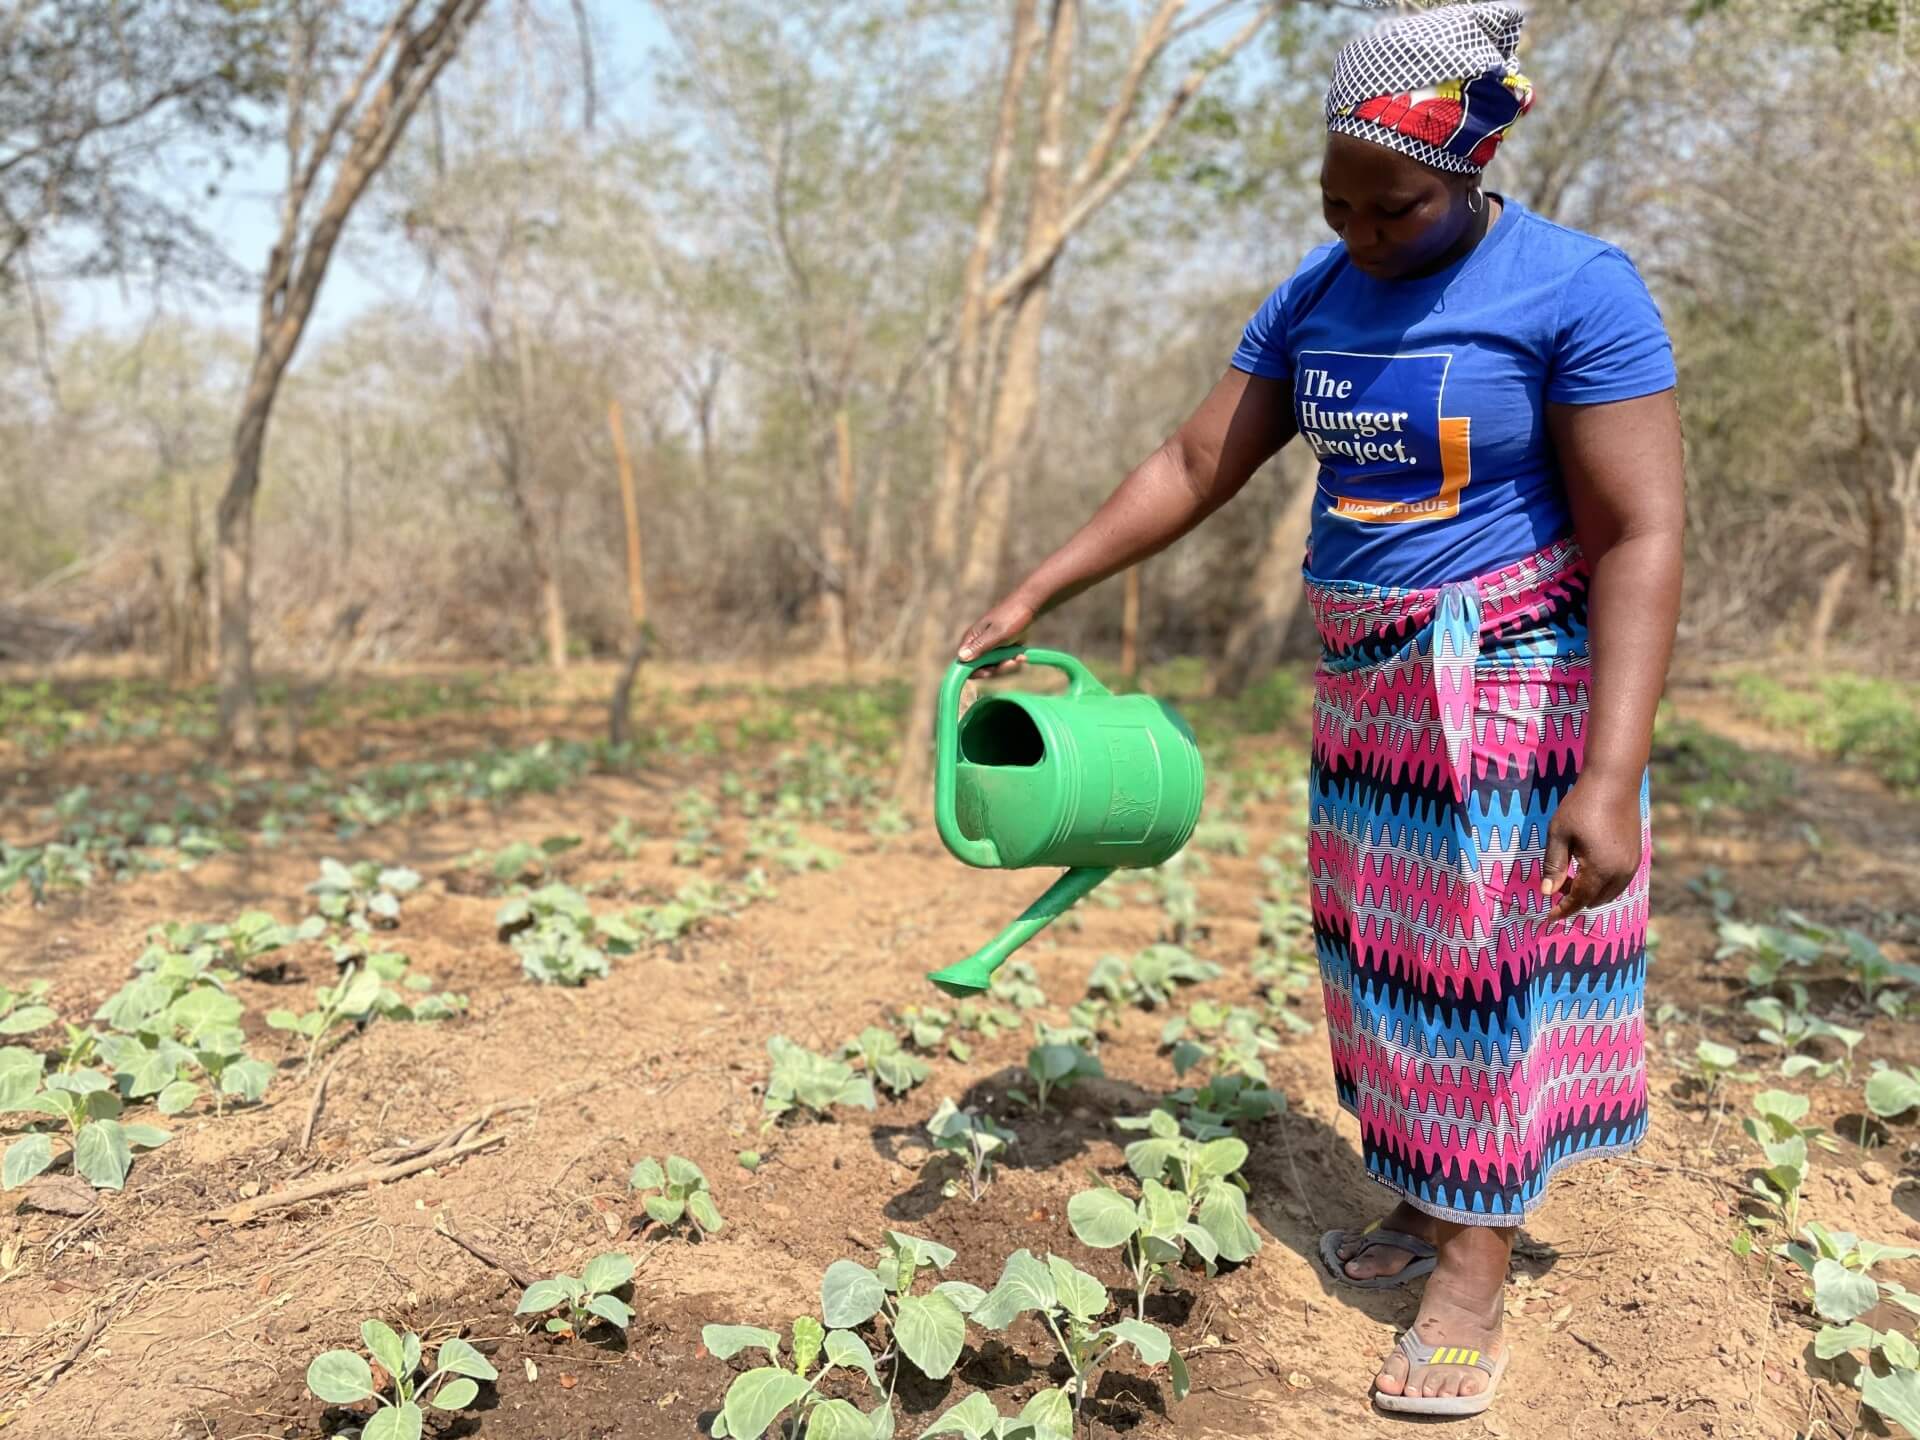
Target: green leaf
x,y
664,1208
1893,1092
147,1137
1149,1341
1220,1158
456,1395
410,1353
385,1347
101,1153
974,1417
837,1420
1784,1104
850,1294
1079,1293
1840,1294
398,1422
1182,1381
924,1252
723,1342
615,1311
340,1377
248,1079
461,1358
850,1352
1162,1211
930,1331
541,1296
1103,1218
647,1175
1223,1215
808,1336
25,1158
607,1272
1025,1284
705,1213
684,1172
964,1296
755,1398
1835,1340
27,1018
177,1097
1051,1413
1896,1397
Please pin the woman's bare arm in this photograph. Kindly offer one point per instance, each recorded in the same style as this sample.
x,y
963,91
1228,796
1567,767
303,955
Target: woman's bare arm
x,y
1200,467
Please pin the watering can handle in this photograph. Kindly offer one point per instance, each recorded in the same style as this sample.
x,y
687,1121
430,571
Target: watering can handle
x,y
946,739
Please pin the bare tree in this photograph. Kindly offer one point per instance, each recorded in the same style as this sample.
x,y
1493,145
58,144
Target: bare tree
x,y
353,141
1274,594
1016,300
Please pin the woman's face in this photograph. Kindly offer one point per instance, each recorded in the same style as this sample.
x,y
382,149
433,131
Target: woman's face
x,y
1395,214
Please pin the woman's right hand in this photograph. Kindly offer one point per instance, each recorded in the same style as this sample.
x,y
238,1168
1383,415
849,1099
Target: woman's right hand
x,y
1005,624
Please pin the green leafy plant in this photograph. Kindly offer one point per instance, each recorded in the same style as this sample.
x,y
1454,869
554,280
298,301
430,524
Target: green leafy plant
x,y
1055,1065
1204,1172
927,1328
802,1078
625,838
85,1102
1149,978
760,1396
584,1299
349,1001
1017,983
1713,1063
558,938
523,859
1152,1233
1047,1416
683,1193
1775,1128
343,1377
782,844
363,895
21,1012
1228,1039
974,1140
879,1049
1070,1302
1844,1290
1893,1090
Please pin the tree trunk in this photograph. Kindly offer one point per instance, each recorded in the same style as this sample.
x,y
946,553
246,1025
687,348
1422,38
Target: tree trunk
x,y
239,706
1017,384
1832,590
1130,629
836,527
950,477
630,505
1253,643
1905,536
873,555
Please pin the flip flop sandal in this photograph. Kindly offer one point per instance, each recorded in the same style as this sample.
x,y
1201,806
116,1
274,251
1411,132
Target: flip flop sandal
x,y
1421,1358
1425,1257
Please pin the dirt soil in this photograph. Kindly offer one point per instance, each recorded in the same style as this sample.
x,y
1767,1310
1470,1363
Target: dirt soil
x,y
1629,1314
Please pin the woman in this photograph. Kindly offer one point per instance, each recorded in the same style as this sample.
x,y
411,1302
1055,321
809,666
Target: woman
x,y
1494,569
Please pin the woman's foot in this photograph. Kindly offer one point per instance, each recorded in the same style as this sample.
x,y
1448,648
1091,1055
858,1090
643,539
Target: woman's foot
x,y
1463,1305
1364,1258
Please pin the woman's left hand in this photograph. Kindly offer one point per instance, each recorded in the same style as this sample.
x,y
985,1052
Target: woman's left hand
x,y
1597,825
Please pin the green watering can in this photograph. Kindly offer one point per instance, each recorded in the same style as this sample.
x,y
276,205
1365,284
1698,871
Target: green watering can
x,y
1089,779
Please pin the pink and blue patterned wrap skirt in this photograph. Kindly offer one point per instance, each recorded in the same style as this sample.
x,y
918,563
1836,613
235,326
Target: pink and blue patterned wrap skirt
x,y
1480,1048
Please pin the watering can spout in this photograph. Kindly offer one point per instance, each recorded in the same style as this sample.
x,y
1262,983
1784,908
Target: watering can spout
x,y
973,974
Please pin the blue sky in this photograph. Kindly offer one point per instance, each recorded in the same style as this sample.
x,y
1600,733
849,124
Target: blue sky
x,y
244,214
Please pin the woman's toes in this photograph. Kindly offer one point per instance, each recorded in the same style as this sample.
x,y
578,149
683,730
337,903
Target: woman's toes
x,y
1450,1383
1472,1382
1392,1378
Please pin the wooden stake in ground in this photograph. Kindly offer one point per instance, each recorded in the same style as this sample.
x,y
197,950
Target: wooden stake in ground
x,y
629,500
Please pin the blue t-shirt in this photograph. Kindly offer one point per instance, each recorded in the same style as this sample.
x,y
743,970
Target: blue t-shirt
x,y
1425,400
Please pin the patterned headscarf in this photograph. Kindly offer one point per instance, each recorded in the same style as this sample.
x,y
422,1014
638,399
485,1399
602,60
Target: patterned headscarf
x,y
1439,85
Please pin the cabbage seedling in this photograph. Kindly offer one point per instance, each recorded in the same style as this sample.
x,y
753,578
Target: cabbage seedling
x,y
21,1014
1047,1416
1055,1066
85,1102
1069,1301
1205,1173
928,1329
585,1299
1892,1091
343,1377
362,896
802,1078
348,1001
683,1192
885,1059
971,1138
760,1396
1149,978
1151,1234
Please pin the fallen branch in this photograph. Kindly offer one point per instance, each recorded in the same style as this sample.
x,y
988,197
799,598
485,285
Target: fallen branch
x,y
517,1273
103,1317
447,1138
348,1180
319,1099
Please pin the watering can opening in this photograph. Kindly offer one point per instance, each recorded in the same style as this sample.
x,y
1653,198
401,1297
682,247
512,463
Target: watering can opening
x,y
1001,732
